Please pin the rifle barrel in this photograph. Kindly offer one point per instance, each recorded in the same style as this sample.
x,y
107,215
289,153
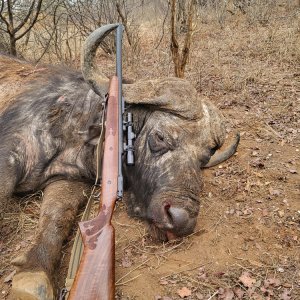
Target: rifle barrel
x,y
119,36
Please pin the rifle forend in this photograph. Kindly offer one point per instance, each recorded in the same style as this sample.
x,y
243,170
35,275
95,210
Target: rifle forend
x,y
95,278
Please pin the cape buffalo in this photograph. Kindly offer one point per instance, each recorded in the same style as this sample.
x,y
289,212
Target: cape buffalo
x,y
49,120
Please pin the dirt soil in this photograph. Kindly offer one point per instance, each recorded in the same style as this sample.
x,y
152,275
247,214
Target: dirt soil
x,y
246,243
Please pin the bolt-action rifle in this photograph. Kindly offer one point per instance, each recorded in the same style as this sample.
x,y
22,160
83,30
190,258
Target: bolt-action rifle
x,y
95,278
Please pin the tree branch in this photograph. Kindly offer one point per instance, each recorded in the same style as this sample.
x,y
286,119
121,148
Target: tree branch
x,y
26,18
187,42
55,22
124,21
38,9
174,43
3,18
10,18
180,59
2,6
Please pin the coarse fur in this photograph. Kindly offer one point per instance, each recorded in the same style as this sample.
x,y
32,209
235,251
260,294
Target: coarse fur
x,y
43,126
44,142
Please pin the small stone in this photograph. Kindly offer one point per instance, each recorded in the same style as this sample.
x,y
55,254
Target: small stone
x,y
257,163
258,283
246,212
280,270
281,213
274,192
164,282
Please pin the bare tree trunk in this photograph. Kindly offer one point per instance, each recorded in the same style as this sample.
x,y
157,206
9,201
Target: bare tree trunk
x,y
124,21
12,45
180,59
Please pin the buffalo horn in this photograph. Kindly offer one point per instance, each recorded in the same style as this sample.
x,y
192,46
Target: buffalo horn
x,y
91,73
221,156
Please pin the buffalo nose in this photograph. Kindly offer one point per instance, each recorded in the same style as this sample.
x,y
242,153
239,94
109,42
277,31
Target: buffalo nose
x,y
178,217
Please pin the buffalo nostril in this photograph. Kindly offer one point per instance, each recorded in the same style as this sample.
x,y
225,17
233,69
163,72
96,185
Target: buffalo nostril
x,y
178,216
167,207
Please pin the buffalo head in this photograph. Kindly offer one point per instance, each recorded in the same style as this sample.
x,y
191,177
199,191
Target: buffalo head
x,y
177,134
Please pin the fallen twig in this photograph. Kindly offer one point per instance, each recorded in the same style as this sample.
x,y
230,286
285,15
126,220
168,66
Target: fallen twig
x,y
144,262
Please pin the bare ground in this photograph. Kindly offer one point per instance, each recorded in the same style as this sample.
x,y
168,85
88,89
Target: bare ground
x,y
246,244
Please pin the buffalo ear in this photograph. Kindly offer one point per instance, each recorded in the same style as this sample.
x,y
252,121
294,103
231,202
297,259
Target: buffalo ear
x,y
91,136
173,95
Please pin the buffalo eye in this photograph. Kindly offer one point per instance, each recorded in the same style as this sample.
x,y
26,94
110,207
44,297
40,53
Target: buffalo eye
x,y
157,143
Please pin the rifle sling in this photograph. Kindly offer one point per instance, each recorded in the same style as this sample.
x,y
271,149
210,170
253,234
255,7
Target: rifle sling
x,y
77,248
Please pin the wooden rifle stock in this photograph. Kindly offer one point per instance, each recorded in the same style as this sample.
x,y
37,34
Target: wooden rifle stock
x,y
95,278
